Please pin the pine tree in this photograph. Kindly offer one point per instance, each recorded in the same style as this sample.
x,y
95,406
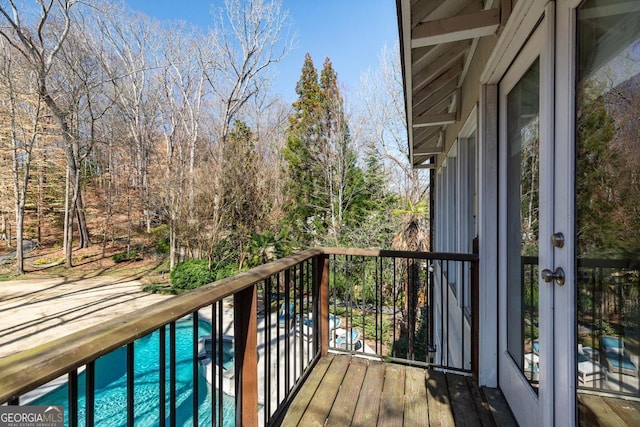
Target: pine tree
x,y
299,154
596,228
243,205
330,194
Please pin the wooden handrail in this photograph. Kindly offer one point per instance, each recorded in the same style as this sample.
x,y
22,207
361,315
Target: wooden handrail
x,y
27,370
445,256
67,353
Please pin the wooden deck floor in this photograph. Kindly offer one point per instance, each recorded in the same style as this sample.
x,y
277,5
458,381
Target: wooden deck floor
x,y
351,391
596,411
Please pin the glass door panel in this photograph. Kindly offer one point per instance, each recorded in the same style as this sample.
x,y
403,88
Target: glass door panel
x,y
608,196
526,175
522,185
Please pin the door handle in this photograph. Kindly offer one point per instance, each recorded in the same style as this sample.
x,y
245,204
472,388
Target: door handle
x,y
549,276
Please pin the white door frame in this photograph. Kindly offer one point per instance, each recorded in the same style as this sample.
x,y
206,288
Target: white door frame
x,y
522,21
564,214
562,44
529,407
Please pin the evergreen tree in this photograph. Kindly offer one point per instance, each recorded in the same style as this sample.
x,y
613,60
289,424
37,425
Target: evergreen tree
x,y
596,130
241,200
331,196
370,223
298,153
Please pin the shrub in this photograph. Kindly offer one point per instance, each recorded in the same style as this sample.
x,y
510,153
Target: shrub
x,y
124,256
161,235
192,274
162,246
160,231
159,289
227,270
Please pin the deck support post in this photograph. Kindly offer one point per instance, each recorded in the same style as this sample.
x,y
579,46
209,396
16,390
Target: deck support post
x,y
321,301
245,305
475,311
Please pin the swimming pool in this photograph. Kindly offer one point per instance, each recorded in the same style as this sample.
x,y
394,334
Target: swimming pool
x,y
111,381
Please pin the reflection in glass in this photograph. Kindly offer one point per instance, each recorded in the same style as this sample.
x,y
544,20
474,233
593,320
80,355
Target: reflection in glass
x,y
608,196
522,222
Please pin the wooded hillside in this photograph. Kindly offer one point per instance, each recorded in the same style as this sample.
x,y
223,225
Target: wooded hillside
x,y
115,125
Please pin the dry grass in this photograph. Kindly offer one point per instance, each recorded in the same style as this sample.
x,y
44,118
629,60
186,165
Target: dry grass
x,y
89,262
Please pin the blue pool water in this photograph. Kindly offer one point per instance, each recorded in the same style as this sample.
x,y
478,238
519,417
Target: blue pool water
x,y
111,380
227,352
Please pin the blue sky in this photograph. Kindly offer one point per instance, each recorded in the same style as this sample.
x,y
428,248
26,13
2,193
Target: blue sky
x,y
350,32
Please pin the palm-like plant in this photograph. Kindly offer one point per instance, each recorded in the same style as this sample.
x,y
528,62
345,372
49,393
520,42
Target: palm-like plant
x,y
413,237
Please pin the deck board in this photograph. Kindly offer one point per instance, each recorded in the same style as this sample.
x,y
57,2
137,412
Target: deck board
x,y
482,406
366,413
438,399
464,410
498,407
360,392
297,409
345,404
349,391
392,400
317,413
416,413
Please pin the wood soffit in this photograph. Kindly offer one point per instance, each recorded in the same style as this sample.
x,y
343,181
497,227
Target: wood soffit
x,y
436,56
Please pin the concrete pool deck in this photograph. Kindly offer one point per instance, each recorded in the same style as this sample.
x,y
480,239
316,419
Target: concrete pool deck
x,y
35,311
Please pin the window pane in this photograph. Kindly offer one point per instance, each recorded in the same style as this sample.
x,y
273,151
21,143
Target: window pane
x,y
523,106
608,196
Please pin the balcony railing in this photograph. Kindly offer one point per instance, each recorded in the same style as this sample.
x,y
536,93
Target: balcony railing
x,y
608,317
280,318
413,308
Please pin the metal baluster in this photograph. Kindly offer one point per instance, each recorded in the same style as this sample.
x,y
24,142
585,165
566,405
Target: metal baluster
x,y
194,364
130,385
90,375
163,376
172,374
73,398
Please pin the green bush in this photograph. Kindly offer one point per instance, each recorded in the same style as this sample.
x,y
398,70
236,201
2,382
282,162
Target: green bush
x,y
160,231
192,274
161,236
124,256
226,270
162,246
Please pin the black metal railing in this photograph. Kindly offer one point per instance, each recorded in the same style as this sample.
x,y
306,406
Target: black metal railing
x,y
529,291
227,353
608,312
408,307
237,350
608,323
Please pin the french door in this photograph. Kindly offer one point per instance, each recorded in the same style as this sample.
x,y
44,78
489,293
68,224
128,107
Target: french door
x,y
569,249
528,233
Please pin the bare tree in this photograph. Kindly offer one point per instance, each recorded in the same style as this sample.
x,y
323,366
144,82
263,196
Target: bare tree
x,y
253,35
133,39
384,123
183,85
41,45
269,118
24,115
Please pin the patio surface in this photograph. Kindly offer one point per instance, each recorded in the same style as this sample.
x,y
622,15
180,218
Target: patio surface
x,y
40,310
